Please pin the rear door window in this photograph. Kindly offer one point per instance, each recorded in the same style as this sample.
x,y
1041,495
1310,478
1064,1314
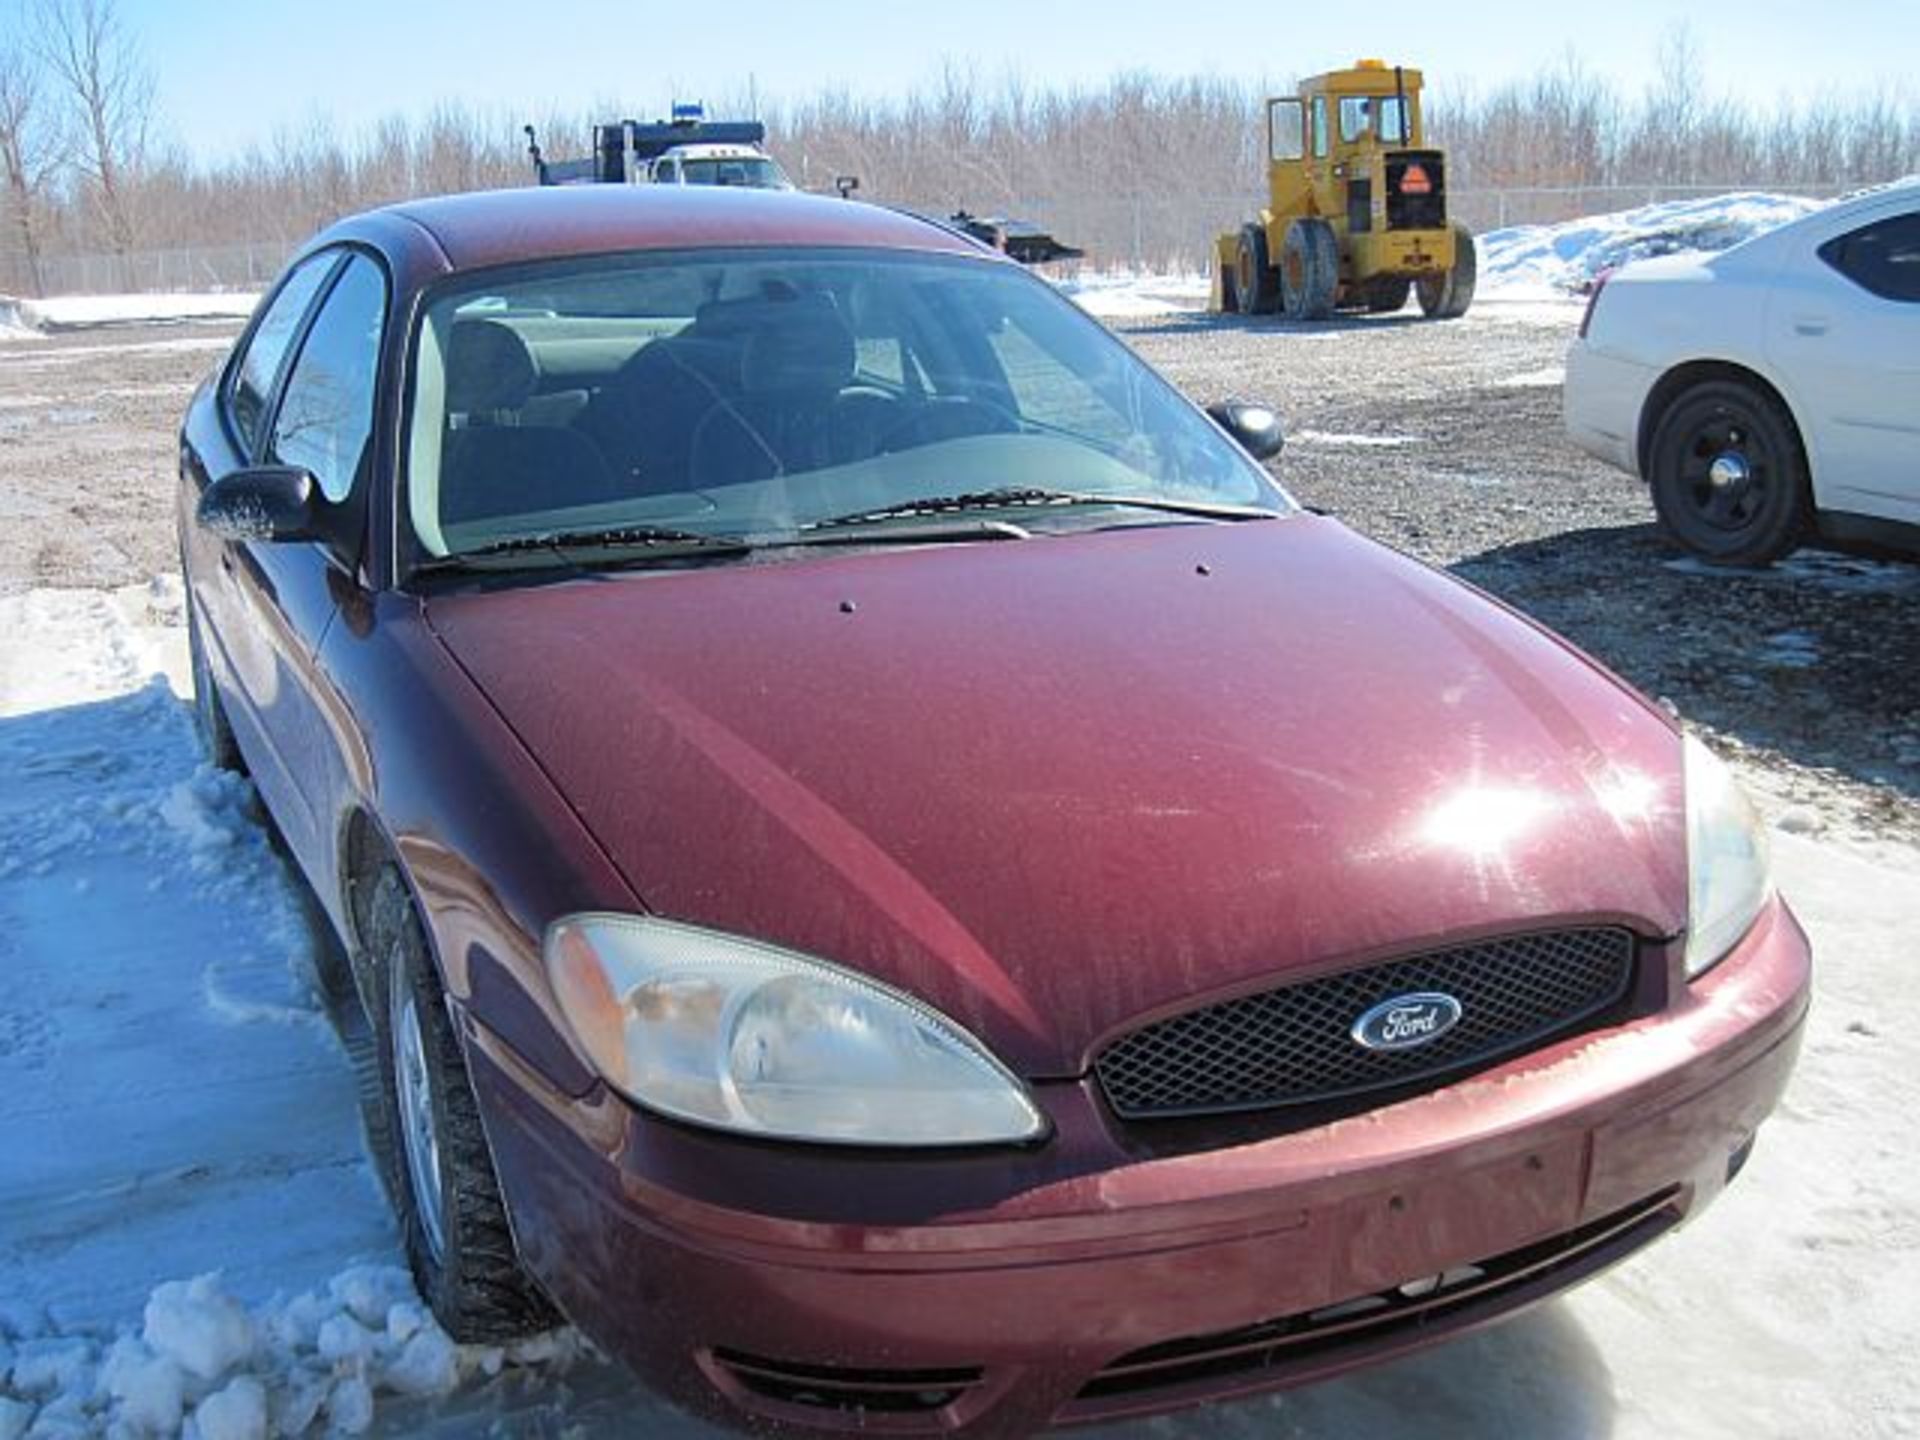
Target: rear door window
x,y
250,385
1883,258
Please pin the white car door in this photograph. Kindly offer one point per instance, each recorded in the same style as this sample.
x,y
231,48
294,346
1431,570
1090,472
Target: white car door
x,y
1843,332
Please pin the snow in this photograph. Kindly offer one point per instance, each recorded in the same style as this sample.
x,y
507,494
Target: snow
x,y
88,312
1325,437
1543,262
1124,295
1529,274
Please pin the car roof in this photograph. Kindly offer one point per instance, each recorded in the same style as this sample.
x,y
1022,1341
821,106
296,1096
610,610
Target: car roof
x,y
500,227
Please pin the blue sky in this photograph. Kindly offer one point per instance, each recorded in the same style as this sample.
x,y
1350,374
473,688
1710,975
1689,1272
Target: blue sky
x,y
230,73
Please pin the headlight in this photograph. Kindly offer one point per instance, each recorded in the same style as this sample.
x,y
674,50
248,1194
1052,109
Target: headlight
x,y
744,1036
1727,880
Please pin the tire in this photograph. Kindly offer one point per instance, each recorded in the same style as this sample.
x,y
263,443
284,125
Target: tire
x,y
1388,294
1729,475
1446,297
1253,275
1230,289
1309,270
209,711
437,1167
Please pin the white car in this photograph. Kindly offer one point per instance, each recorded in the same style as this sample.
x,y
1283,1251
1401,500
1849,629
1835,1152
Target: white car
x,y
1770,390
711,164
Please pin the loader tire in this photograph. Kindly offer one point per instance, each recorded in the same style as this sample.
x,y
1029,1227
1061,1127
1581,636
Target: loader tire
x,y
1446,297
1253,276
1229,289
1309,270
1388,295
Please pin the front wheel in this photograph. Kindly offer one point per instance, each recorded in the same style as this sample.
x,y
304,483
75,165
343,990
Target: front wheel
x,y
1446,297
441,1174
1253,276
1728,476
1309,270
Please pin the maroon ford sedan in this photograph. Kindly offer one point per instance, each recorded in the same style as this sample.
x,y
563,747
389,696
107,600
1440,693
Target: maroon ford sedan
x,y
898,881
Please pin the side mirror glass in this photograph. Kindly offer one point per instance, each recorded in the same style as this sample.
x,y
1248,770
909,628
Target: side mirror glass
x,y
266,502
1255,426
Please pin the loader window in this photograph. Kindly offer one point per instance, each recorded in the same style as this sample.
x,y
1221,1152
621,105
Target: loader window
x,y
1320,127
1285,119
1372,116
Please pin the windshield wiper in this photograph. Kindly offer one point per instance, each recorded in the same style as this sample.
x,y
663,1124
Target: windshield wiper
x,y
566,547
1026,496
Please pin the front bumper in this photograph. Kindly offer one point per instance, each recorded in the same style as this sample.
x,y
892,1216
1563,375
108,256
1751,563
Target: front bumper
x,y
1088,1278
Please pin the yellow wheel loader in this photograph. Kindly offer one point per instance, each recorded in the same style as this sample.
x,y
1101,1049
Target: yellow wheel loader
x,y
1357,207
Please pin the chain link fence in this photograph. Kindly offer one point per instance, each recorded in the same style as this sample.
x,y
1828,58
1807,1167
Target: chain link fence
x,y
1143,233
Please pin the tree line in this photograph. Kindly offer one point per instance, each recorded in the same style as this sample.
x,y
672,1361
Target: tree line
x,y
1140,169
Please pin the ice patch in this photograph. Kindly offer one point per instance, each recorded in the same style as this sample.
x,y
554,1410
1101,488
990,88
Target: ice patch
x,y
1544,379
1790,650
1359,442
1823,569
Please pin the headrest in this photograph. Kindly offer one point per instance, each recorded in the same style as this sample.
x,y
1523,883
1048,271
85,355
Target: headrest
x,y
799,347
488,367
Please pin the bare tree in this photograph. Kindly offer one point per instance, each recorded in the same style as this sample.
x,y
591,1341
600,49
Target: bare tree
x,y
98,66
30,151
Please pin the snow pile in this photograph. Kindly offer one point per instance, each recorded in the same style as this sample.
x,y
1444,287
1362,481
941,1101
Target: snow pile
x,y
1545,261
14,326
87,312
202,1364
1123,295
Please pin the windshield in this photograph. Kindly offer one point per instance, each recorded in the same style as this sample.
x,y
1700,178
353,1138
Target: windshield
x,y
760,174
757,392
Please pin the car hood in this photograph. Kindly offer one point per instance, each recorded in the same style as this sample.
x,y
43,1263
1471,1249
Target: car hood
x,y
1058,786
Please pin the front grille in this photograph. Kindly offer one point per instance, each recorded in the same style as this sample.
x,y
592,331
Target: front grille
x,y
1417,212
1294,1045
1274,1350
853,1391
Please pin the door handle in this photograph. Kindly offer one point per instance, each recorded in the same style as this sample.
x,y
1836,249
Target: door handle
x,y
1809,324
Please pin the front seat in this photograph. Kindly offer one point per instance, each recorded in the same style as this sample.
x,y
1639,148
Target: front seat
x,y
794,363
491,465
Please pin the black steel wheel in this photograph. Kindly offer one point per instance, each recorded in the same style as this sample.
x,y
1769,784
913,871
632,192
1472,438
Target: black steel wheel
x,y
1728,474
1253,275
209,711
1309,270
438,1169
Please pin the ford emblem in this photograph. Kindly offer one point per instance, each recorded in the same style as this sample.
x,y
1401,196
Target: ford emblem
x,y
1406,1021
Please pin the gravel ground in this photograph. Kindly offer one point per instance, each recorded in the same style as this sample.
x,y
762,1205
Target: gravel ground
x,y
1809,671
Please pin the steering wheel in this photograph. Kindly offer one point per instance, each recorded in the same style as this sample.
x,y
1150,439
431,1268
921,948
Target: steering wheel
x,y
948,417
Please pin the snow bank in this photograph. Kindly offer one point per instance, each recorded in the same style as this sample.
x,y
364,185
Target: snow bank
x,y
86,312
1545,261
204,1365
1122,295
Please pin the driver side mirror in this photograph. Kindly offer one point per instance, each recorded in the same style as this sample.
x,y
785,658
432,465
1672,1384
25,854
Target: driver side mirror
x,y
265,502
1255,426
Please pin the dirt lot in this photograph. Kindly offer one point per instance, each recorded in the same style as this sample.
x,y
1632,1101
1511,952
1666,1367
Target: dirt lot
x,y
1441,440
